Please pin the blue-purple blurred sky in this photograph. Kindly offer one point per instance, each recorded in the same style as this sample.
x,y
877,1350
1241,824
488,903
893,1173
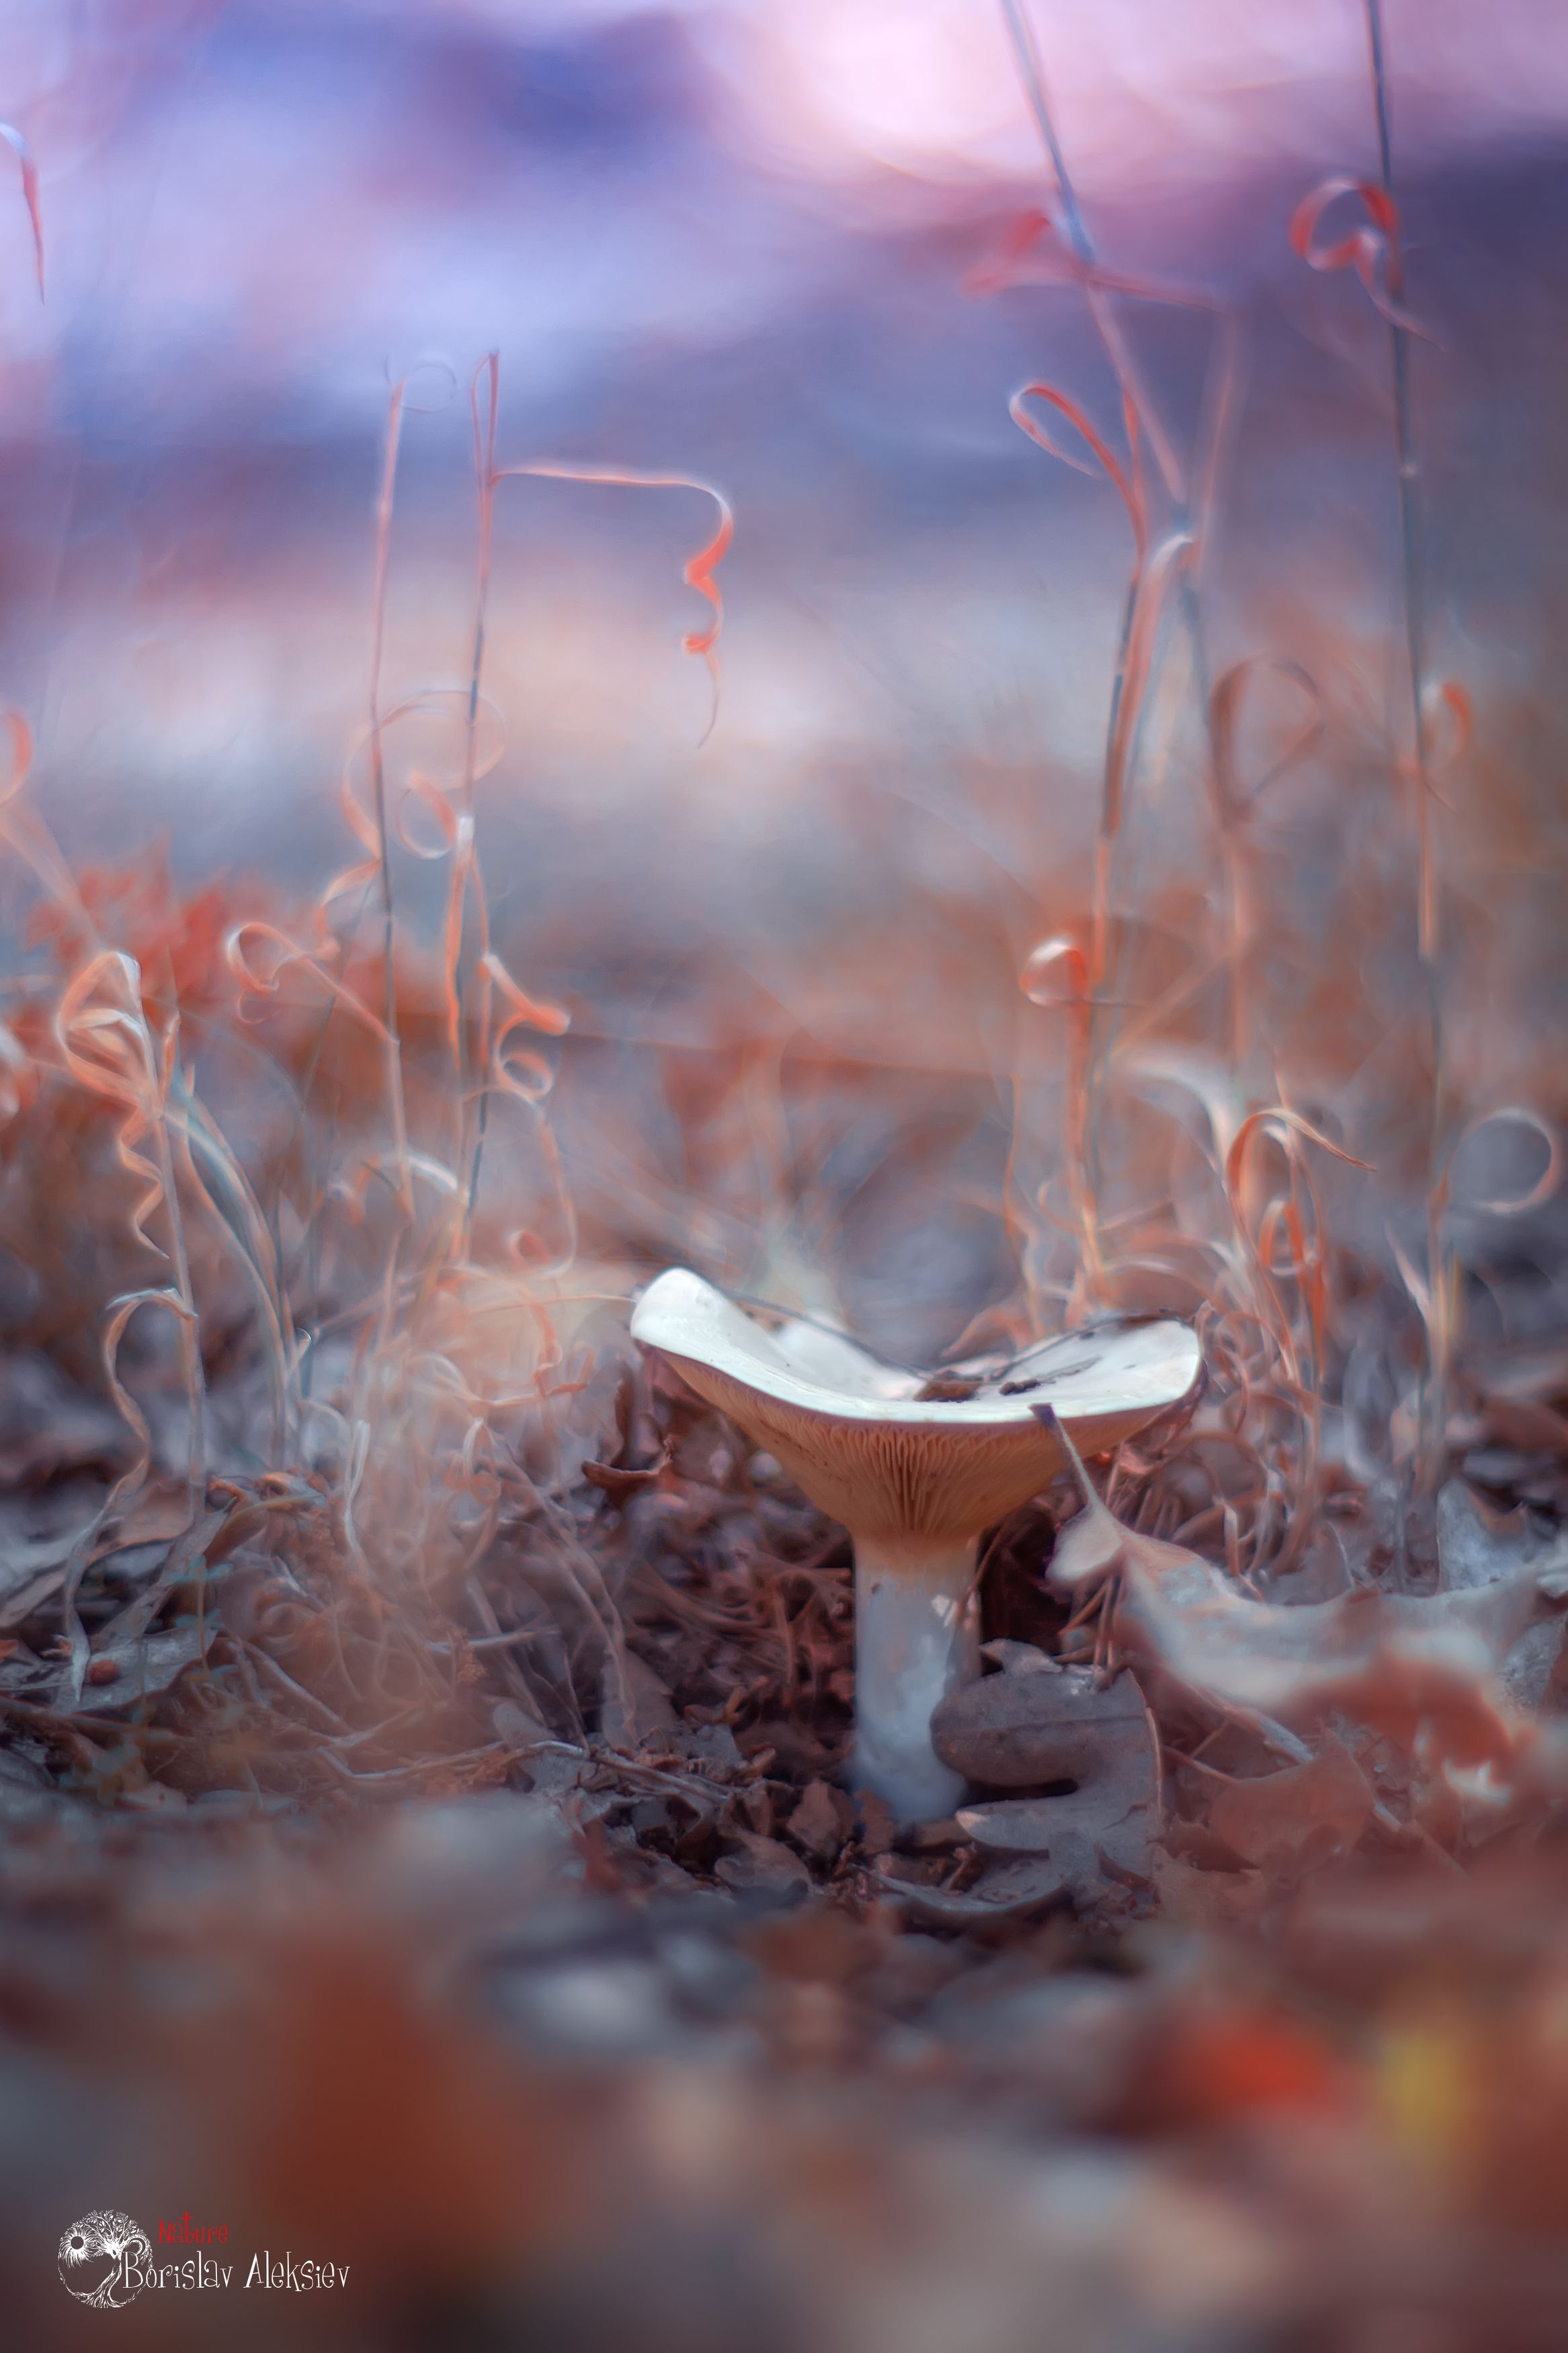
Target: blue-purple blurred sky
x,y
732,239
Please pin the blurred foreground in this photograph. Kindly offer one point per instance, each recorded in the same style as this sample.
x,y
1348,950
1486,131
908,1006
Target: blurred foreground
x,y
523,2111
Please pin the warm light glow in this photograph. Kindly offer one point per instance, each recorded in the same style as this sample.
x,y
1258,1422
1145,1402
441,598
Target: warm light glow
x,y
924,84
926,78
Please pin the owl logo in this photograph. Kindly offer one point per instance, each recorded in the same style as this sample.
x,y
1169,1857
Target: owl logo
x,y
95,2254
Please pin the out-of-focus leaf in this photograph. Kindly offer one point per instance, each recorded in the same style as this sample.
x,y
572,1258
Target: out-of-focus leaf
x,y
1413,1666
1308,1812
1478,1549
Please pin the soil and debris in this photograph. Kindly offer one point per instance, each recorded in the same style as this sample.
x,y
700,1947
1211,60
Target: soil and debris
x,y
570,1985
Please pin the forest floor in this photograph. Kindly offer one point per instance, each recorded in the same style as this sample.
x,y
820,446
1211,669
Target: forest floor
x,y
593,2021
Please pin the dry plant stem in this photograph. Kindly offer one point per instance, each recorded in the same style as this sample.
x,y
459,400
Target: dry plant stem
x,y
1234,801
1083,1152
214,1177
1078,1004
377,753
1237,921
481,1069
1409,504
189,1323
385,497
489,373
378,638
1441,1336
189,1320
384,853
1154,573
916,1639
384,862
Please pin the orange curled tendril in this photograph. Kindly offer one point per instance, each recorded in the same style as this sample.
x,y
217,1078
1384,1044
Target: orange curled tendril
x,y
360,814
514,1071
265,980
1278,1123
1131,496
700,569
108,1047
1371,249
1033,238
1154,577
553,1020
1022,239
1061,955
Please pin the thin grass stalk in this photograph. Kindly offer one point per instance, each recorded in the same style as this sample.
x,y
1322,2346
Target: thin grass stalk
x,y
215,1177
384,507
1442,1334
1173,563
140,1079
485,428
1234,801
491,978
107,1046
190,1344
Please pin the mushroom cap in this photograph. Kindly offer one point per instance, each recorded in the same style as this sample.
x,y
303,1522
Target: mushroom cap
x,y
856,1435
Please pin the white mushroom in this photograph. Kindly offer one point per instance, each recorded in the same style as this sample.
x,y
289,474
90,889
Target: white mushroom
x,y
915,1468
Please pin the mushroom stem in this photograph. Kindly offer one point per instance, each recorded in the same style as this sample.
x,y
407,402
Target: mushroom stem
x,y
916,1639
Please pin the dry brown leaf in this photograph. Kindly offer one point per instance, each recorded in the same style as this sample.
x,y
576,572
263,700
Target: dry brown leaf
x,y
1424,1670
1040,1722
1477,1547
1208,1899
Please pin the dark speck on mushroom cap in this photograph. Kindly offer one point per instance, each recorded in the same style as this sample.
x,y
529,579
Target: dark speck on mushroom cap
x,y
854,1435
